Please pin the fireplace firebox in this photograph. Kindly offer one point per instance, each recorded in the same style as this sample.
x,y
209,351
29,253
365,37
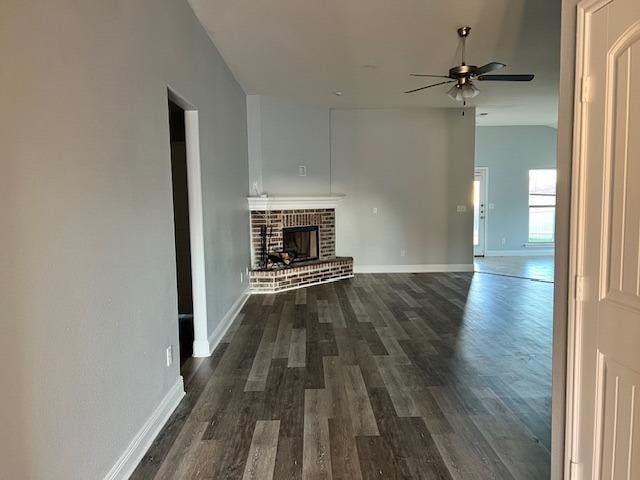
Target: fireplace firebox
x,y
303,242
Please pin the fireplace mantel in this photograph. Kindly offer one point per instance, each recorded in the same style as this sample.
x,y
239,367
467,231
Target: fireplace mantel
x,y
295,202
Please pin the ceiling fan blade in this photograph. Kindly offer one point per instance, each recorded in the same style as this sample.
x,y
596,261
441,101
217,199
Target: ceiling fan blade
x,y
428,86
489,67
425,75
507,78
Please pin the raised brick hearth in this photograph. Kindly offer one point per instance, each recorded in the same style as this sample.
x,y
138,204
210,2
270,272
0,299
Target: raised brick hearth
x,y
327,268
301,275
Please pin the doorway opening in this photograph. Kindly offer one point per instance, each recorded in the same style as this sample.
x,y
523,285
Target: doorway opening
x,y
479,209
180,188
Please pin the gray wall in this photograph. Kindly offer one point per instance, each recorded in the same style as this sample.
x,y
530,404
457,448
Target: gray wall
x,y
88,283
284,135
509,153
415,166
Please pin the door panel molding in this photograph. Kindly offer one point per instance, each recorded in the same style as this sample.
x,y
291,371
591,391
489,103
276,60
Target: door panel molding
x,y
620,252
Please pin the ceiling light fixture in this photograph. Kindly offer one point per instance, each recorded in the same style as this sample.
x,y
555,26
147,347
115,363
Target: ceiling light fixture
x,y
337,94
462,92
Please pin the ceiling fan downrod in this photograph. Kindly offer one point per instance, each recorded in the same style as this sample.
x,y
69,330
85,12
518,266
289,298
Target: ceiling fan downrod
x,y
463,33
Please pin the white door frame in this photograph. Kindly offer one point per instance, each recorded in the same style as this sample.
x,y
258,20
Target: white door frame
x,y
485,173
196,225
577,222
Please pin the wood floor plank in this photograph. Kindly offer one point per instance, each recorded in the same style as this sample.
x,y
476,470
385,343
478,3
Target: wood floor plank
x,y
262,453
356,303
345,463
323,311
362,419
394,350
408,299
377,459
410,440
316,460
180,456
283,337
228,337
403,402
336,313
467,453
366,361
298,348
257,378
301,296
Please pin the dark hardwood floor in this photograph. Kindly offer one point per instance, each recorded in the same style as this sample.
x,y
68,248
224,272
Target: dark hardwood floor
x,y
410,376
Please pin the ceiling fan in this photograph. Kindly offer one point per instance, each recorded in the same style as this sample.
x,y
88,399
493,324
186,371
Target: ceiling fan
x,y
464,75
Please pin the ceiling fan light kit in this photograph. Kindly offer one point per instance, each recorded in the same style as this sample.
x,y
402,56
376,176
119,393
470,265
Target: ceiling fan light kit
x,y
464,75
463,92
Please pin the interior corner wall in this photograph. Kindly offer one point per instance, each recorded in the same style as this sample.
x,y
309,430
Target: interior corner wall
x,y
509,153
254,139
88,282
414,167
284,135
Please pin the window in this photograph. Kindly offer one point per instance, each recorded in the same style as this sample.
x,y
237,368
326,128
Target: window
x,y
542,205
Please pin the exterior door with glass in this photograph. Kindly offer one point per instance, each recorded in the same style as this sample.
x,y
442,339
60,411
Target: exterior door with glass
x,y
479,209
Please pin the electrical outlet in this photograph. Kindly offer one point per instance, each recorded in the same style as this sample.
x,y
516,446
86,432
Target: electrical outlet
x,y
302,170
462,208
241,277
403,252
375,210
169,355
504,241
491,206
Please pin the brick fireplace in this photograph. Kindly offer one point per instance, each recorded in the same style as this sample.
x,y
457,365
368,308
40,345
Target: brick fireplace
x,y
305,225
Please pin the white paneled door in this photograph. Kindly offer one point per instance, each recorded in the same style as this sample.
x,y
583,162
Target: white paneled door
x,y
605,411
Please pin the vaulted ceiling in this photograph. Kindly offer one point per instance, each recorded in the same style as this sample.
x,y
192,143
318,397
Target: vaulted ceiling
x,y
308,49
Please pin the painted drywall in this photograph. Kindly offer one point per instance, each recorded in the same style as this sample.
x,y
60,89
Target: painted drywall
x,y
414,166
509,153
88,283
284,135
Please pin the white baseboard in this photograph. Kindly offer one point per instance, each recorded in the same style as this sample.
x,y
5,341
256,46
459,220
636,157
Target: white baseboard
x,y
221,330
201,348
423,268
132,455
525,252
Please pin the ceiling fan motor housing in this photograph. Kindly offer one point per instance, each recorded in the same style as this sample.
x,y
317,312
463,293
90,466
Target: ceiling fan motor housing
x,y
462,72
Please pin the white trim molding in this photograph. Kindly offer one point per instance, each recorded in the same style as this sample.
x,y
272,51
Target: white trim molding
x,y
196,229
525,252
220,331
294,202
130,458
421,268
196,222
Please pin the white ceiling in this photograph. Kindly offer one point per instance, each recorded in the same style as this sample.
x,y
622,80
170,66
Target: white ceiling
x,y
308,49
